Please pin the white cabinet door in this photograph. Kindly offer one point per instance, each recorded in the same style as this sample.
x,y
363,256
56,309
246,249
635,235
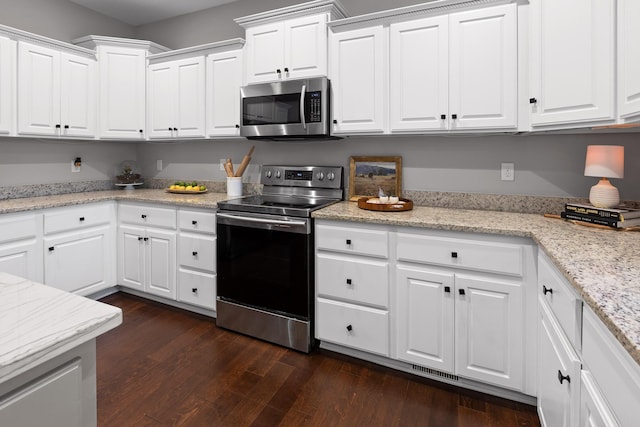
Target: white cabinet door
x,y
305,47
628,59
131,257
23,259
79,262
594,411
160,263
419,74
224,79
489,331
358,79
38,90
425,318
7,84
483,73
265,52
121,92
572,61
558,374
189,112
160,103
78,95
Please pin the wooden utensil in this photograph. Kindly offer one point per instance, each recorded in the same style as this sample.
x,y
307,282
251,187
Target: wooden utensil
x,y
245,162
228,167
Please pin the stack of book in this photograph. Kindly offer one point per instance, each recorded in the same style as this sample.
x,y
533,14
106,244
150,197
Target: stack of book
x,y
611,217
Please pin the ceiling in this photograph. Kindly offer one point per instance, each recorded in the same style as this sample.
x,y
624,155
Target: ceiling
x,y
139,12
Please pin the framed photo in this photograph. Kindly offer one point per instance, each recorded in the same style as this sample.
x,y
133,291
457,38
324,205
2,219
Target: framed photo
x,y
368,174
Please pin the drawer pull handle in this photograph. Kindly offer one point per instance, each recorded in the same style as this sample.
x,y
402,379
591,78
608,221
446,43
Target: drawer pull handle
x,y
447,289
194,290
143,216
454,254
348,241
51,248
146,239
561,377
81,218
139,238
349,328
194,222
546,290
461,291
348,281
194,253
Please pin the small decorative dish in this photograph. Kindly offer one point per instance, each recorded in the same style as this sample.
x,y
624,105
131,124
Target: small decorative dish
x,y
168,190
375,204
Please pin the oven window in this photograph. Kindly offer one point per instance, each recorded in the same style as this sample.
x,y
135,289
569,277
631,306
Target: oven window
x,y
265,269
271,110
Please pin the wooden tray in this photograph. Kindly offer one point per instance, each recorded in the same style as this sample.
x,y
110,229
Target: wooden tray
x,y
186,192
385,207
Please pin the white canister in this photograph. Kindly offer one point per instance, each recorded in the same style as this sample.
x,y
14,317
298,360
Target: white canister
x,y
234,186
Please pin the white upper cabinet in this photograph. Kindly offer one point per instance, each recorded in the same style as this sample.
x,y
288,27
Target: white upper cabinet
x,y
224,78
176,98
628,60
572,61
56,92
7,84
288,43
358,77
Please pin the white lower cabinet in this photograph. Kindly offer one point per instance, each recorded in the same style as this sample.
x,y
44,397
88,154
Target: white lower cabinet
x,y
21,245
79,248
147,249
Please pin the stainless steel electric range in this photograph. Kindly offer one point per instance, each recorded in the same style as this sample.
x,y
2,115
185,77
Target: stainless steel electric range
x,y
265,254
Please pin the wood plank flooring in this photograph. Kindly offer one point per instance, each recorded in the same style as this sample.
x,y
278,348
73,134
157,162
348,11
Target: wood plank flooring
x,y
168,367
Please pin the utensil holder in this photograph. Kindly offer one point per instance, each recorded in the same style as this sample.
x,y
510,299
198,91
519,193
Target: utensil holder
x,y
234,186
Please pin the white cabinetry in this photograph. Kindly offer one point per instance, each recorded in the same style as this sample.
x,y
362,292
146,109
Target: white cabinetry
x,y
572,61
7,84
223,82
176,98
56,92
197,258
80,248
21,245
358,75
628,60
147,249
352,281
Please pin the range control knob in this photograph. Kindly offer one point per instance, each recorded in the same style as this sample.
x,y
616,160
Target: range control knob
x,y
331,176
268,173
320,176
278,174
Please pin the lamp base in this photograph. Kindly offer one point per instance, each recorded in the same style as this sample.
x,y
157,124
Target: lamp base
x,y
604,195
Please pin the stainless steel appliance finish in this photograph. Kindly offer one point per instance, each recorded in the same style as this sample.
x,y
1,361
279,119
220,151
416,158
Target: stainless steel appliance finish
x,y
265,255
292,110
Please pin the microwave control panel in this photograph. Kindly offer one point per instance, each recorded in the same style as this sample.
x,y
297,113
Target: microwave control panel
x,y
314,107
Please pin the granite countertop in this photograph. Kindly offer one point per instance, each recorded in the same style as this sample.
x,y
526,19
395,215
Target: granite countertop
x,y
602,265
38,323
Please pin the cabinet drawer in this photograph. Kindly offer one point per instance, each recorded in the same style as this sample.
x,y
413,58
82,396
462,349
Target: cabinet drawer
x,y
18,227
353,240
147,215
204,222
197,252
197,288
353,326
78,217
356,280
503,258
565,303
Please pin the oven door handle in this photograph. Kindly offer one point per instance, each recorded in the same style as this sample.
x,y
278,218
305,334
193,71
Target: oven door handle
x,y
302,95
277,222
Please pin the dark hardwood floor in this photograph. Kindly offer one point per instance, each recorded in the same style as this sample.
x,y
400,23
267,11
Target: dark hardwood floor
x,y
167,367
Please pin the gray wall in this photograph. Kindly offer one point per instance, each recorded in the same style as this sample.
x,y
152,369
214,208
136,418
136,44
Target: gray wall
x,y
59,19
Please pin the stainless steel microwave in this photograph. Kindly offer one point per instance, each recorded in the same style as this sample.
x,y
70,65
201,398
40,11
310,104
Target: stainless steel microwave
x,y
291,110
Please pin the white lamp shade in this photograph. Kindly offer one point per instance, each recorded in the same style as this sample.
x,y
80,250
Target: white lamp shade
x,y
605,161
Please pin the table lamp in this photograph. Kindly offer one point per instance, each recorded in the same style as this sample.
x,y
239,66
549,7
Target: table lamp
x,y
604,161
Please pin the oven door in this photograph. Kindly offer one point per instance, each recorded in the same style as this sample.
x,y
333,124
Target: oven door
x,y
266,262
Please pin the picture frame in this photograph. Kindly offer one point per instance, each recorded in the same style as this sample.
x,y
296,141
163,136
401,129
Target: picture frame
x,y
369,173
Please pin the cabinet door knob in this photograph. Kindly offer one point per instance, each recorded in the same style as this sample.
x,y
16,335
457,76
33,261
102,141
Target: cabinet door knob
x,y
194,290
546,290
348,241
194,222
140,131
170,129
461,291
286,69
335,122
454,254
194,253
562,378
454,116
443,116
447,289
81,218
532,100
143,216
237,126
348,281
51,248
139,238
146,239
66,126
278,71
175,129
349,328
57,126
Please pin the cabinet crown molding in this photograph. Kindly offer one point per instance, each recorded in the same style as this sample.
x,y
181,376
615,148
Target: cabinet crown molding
x,y
203,49
333,7
93,41
20,35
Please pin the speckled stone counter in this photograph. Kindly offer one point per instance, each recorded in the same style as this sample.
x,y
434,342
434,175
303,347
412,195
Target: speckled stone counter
x,y
602,265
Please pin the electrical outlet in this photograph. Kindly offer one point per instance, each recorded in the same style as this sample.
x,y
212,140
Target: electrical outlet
x,y
507,172
75,166
159,165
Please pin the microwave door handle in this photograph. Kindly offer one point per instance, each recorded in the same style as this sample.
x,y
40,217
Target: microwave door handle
x,y
302,94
